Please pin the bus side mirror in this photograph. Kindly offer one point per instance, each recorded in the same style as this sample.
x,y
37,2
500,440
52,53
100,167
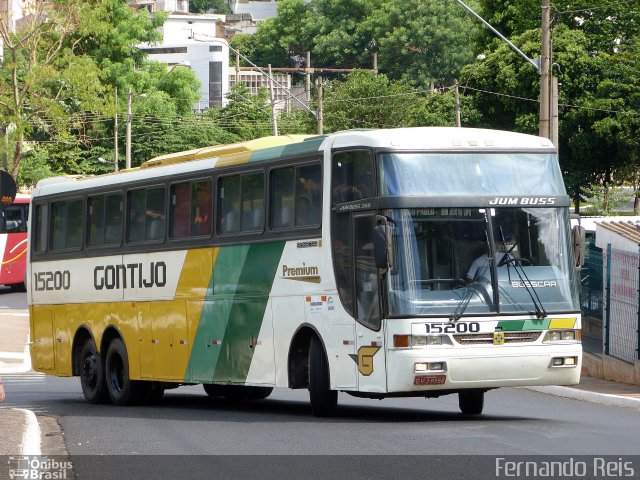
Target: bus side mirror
x,y
382,243
579,241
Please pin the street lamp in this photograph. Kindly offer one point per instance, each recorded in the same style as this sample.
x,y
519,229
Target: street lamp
x,y
130,116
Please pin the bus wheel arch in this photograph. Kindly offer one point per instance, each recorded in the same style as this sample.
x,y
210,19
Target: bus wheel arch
x,y
298,357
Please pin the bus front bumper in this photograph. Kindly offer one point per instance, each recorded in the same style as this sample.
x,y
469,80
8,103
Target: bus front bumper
x,y
414,370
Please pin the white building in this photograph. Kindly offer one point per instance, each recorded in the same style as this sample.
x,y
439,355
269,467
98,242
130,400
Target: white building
x,y
259,9
282,93
10,13
192,39
208,60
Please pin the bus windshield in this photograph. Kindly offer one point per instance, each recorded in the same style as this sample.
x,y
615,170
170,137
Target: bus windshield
x,y
510,173
460,261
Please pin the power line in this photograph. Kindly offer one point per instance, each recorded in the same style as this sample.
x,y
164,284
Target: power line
x,y
599,7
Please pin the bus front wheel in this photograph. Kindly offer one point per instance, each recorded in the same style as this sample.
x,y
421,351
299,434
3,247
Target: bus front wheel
x,y
471,402
323,399
122,390
94,387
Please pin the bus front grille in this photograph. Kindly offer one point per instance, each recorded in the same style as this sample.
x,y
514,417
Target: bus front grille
x,y
487,338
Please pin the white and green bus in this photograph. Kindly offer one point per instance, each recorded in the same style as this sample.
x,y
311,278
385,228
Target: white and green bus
x,y
380,263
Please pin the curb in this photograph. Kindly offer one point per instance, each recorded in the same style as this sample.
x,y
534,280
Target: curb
x,y
31,439
587,396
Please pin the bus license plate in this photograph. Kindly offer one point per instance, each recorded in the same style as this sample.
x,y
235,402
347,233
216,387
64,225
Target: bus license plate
x,y
429,379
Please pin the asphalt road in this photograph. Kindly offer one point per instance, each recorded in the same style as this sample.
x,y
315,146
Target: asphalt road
x,y
516,422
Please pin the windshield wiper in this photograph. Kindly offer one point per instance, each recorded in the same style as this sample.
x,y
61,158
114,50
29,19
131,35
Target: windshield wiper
x,y
462,305
510,258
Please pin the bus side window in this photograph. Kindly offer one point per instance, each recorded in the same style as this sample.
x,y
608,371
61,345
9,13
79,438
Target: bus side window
x,y
96,220
296,196
146,215
201,220
113,219
41,222
66,224
229,192
180,207
309,196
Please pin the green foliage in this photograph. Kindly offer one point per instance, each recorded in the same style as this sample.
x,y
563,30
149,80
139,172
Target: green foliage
x,y
247,116
425,41
366,100
209,6
605,199
34,168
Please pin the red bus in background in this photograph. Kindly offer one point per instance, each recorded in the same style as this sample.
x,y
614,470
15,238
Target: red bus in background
x,y
13,243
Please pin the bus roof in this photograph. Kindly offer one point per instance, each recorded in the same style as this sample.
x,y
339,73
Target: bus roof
x,y
288,146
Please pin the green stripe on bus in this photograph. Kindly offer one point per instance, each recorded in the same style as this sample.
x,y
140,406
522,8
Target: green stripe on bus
x,y
214,318
247,311
516,325
233,311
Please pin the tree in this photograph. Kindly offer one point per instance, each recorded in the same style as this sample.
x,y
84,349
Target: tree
x,y
425,41
366,100
209,6
41,81
247,116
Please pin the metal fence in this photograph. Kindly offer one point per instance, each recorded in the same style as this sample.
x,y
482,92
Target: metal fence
x,y
592,301
610,302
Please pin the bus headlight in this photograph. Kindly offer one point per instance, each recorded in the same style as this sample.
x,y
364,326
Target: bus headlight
x,y
572,336
564,362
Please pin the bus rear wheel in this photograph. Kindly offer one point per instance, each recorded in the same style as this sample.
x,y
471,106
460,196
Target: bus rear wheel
x,y
323,399
471,402
122,390
94,387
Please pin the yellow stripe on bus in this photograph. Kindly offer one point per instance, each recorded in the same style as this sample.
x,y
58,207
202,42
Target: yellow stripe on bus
x,y
562,323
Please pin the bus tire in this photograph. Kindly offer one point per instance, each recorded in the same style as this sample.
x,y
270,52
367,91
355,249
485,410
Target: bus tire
x,y
154,394
323,399
122,390
471,402
259,393
92,376
237,392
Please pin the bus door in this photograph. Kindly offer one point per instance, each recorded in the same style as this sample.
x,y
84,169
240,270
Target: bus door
x,y
370,352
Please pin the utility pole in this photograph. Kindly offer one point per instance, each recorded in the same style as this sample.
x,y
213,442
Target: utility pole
x,y
115,135
307,74
128,139
274,120
457,92
545,72
554,112
320,115
237,67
